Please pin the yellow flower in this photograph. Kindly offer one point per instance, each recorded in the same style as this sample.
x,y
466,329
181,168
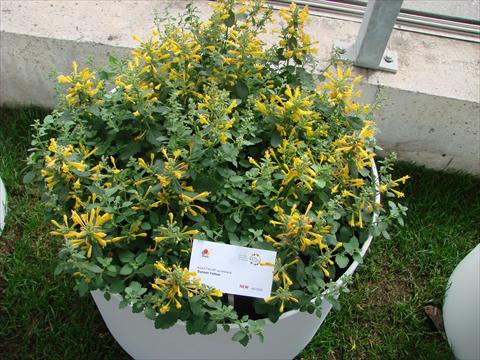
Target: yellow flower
x,y
87,229
261,107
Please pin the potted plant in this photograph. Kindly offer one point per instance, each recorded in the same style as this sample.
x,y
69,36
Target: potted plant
x,y
206,133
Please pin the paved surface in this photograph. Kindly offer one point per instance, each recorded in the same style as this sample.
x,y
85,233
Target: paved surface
x,y
465,9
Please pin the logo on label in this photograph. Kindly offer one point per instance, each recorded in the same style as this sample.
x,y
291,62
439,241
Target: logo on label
x,y
205,253
255,259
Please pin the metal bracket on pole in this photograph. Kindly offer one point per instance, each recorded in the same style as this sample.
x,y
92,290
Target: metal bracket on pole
x,y
369,50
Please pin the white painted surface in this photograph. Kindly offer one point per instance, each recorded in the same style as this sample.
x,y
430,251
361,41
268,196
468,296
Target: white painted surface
x,y
461,310
138,337
3,205
431,114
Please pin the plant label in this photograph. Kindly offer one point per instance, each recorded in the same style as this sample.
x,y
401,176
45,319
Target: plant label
x,y
233,269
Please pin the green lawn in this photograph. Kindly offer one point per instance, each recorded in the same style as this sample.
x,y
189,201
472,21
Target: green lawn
x,y
42,318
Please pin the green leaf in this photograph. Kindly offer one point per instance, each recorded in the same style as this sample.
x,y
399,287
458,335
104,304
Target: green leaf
x,y
162,110
28,178
164,321
126,270
195,307
140,259
94,268
82,288
230,225
150,313
230,21
241,90
244,341
344,234
146,270
195,325
321,183
358,257
131,149
236,179
341,260
355,122
275,139
58,269
137,308
209,328
126,256
117,286
239,335
82,174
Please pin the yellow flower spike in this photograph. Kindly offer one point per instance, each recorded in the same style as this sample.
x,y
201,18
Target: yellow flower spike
x,y
352,221
288,91
139,182
217,293
99,236
76,218
142,163
398,193
223,138
325,271
164,309
338,246
103,219
62,79
140,235
117,239
177,303
286,280
160,267
266,263
56,224
160,238
252,161
402,179
261,107
270,240
232,105
136,113
75,67
346,193
269,299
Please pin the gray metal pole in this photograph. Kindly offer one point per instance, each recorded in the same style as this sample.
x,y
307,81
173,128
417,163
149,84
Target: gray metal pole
x,y
370,48
376,28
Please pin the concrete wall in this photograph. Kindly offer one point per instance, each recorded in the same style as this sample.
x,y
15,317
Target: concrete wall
x,y
431,111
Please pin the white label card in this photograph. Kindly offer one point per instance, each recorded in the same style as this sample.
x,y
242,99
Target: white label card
x,y
233,269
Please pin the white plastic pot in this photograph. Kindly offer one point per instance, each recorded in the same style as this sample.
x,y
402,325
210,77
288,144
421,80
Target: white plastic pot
x,y
3,205
283,339
461,310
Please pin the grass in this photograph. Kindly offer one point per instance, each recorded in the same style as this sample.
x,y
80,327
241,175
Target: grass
x,y
382,318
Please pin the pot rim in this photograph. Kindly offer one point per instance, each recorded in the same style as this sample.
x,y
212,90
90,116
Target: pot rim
x,y
350,270
3,205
